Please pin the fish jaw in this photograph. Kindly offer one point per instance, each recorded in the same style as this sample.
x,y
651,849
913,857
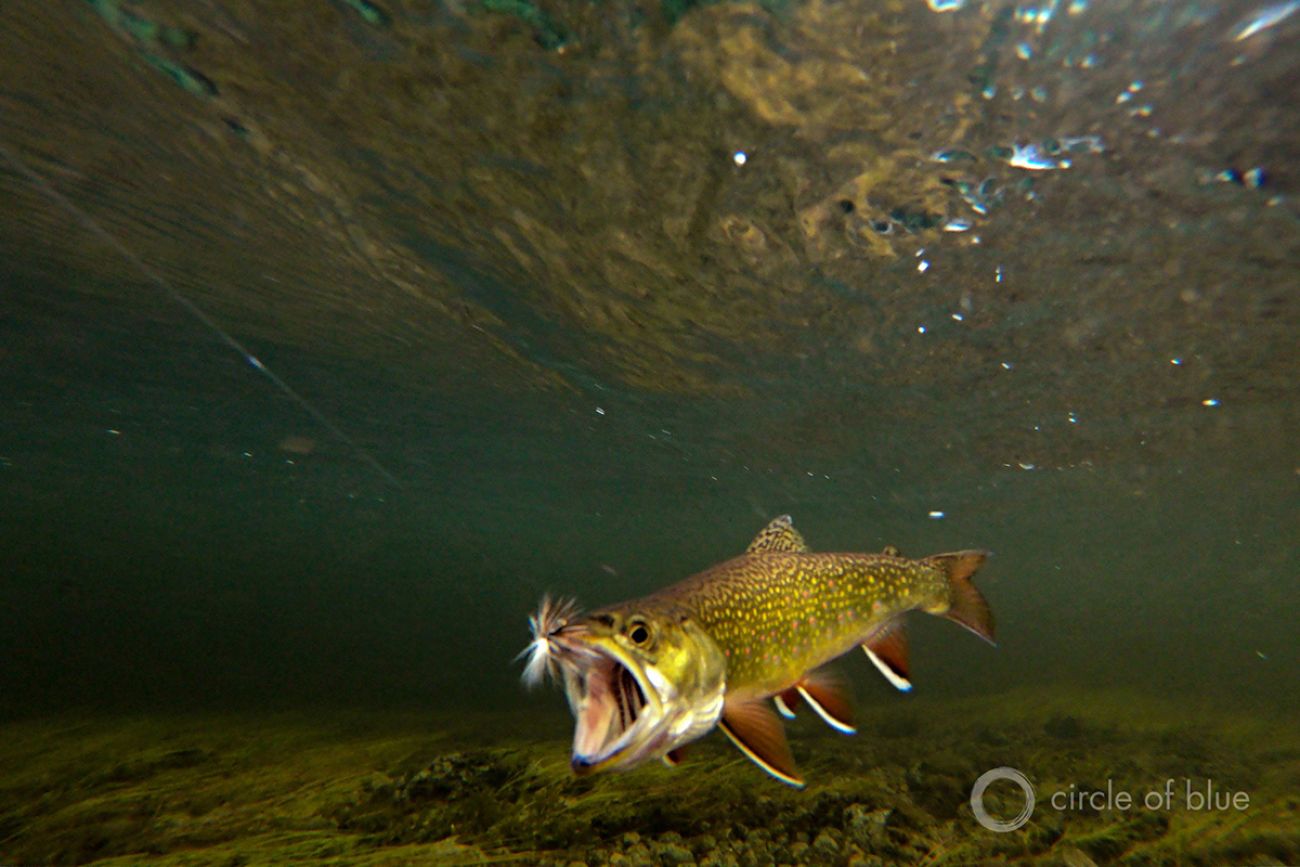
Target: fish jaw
x,y
630,706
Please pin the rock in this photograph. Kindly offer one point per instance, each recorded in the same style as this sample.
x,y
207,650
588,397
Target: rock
x,y
719,859
861,860
674,853
640,856
1070,856
992,737
1063,727
866,827
826,845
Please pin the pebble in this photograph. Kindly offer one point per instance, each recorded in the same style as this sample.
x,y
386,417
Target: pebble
x,y
866,826
826,844
675,853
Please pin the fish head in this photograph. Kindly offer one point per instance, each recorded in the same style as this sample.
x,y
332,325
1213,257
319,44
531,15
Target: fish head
x,y
641,681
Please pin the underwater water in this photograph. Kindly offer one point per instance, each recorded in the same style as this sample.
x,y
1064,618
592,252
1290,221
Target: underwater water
x,y
334,335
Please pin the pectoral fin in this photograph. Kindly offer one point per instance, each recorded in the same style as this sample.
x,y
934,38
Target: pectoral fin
x,y
673,758
827,696
887,650
786,702
757,733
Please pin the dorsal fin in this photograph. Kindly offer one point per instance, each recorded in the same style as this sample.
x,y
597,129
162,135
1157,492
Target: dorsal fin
x,y
892,551
780,536
757,733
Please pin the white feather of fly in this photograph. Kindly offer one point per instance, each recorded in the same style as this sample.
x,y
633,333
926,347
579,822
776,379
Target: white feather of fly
x,y
551,617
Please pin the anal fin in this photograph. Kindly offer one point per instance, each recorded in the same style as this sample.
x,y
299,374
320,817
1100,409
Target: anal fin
x,y
887,650
827,696
757,733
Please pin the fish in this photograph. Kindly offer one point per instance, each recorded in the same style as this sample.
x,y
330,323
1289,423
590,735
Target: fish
x,y
740,645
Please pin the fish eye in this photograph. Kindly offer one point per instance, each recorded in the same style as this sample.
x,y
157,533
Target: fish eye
x,y
638,633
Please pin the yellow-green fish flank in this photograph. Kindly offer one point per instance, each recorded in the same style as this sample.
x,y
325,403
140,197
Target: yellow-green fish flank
x,y
778,615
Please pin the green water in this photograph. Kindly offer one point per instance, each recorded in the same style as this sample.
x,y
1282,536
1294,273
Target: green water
x,y
541,328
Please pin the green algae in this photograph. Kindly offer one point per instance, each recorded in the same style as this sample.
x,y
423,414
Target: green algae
x,y
140,29
360,788
369,12
156,44
191,80
549,33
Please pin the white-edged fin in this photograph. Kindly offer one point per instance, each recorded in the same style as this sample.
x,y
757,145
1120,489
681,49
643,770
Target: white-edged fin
x,y
828,718
757,733
895,680
887,650
781,707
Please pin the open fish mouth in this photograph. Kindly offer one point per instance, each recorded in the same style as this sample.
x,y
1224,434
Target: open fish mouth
x,y
619,712
628,706
616,711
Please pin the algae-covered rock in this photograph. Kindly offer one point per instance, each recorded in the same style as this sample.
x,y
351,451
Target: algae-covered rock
x,y
867,827
1063,726
1108,842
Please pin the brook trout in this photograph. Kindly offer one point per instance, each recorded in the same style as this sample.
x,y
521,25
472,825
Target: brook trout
x,y
646,677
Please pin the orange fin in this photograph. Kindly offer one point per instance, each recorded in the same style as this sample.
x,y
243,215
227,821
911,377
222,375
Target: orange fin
x,y
780,536
786,702
966,605
826,695
757,733
887,650
673,758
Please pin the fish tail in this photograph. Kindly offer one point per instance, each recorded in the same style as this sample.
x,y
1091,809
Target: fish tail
x,y
966,605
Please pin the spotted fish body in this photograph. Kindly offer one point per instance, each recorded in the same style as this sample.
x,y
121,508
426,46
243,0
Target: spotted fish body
x,y
777,616
646,677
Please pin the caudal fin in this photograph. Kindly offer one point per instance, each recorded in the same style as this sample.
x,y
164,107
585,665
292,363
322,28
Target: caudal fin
x,y
967,605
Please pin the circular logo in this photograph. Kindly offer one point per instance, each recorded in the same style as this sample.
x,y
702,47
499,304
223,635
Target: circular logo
x,y
985,780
